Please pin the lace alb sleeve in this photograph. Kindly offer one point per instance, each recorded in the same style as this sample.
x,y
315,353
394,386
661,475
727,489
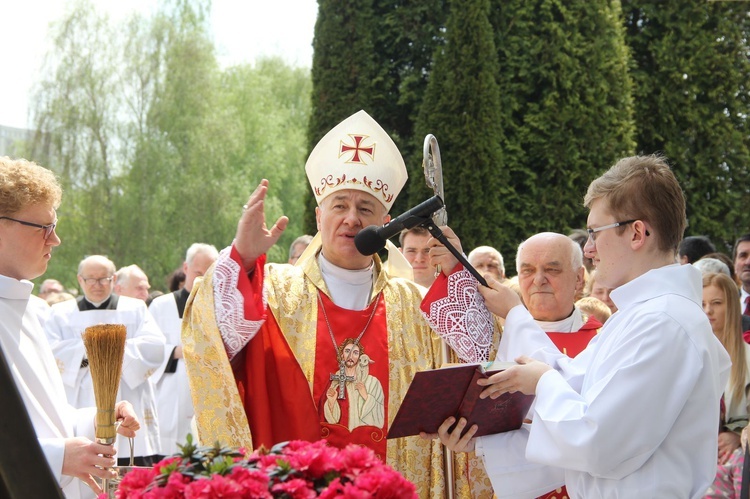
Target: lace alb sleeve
x,y
229,303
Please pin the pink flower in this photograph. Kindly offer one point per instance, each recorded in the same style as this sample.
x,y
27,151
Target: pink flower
x,y
295,470
269,461
215,487
133,483
356,459
385,482
168,464
313,459
254,483
295,488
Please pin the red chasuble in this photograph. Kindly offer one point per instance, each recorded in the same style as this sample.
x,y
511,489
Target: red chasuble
x,y
273,388
571,344
348,324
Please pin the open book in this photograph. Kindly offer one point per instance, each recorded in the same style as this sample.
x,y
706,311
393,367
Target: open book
x,y
438,394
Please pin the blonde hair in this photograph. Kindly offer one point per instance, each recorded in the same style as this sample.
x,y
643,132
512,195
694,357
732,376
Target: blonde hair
x,y
594,306
731,337
643,188
24,183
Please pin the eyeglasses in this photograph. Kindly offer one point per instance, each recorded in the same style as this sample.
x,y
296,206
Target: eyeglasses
x,y
592,232
48,229
103,281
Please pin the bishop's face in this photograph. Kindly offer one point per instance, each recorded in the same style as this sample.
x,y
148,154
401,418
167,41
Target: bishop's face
x,y
340,217
24,252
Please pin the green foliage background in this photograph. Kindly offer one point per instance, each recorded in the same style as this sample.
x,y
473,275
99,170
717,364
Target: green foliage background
x,y
158,147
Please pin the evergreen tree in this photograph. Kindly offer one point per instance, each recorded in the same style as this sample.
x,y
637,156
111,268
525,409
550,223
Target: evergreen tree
x,y
566,103
691,70
343,70
410,32
461,108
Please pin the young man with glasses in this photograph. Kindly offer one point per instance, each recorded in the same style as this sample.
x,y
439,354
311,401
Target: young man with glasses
x,y
29,196
144,349
636,413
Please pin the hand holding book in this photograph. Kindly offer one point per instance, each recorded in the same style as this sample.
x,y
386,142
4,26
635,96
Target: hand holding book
x,y
522,379
453,391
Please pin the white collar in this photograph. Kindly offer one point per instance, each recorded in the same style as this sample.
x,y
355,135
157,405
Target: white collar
x,y
350,289
572,323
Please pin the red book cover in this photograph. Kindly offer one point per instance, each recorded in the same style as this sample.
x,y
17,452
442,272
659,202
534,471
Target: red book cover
x,y
438,394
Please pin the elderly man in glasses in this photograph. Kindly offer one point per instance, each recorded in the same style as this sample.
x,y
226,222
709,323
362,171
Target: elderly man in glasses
x,y
144,349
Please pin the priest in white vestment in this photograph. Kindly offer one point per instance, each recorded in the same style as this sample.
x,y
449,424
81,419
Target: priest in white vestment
x,y
144,350
29,196
174,403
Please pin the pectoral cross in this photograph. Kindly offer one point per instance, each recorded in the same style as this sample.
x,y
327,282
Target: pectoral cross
x,y
342,378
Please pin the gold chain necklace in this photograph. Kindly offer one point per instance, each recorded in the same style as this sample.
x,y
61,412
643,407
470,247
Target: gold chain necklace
x,y
341,377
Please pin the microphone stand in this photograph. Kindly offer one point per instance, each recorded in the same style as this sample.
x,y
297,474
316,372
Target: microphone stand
x,y
438,234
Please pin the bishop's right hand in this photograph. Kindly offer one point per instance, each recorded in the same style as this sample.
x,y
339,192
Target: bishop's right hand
x,y
253,238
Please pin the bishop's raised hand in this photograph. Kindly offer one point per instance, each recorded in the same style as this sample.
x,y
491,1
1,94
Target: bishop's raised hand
x,y
253,238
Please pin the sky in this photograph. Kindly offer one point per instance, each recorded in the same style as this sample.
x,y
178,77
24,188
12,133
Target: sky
x,y
243,30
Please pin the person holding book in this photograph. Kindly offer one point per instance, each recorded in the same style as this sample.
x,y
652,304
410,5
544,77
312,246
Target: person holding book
x,y
591,429
550,275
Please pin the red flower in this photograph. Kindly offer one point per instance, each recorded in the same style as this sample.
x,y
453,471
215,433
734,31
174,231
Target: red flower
x,y
295,488
293,470
168,464
254,483
385,482
313,459
133,484
356,459
215,487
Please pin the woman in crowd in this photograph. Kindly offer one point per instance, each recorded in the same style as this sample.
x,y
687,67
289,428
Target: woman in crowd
x,y
722,307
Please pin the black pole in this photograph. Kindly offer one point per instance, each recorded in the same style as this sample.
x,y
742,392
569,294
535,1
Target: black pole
x,y
24,471
438,234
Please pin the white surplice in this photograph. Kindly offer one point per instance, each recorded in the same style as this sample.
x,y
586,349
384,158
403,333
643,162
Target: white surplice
x,y
174,402
38,380
635,414
144,350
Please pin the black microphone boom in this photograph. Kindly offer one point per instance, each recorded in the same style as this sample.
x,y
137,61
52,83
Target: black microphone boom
x,y
372,239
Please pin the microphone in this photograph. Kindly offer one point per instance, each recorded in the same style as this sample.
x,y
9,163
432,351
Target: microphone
x,y
372,239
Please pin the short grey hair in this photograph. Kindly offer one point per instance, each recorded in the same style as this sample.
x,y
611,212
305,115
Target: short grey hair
x,y
305,239
487,250
125,273
200,248
101,259
576,253
712,265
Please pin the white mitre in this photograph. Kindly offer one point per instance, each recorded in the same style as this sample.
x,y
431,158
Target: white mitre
x,y
357,154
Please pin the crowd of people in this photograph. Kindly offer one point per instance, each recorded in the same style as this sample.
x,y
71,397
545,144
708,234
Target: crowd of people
x,y
605,327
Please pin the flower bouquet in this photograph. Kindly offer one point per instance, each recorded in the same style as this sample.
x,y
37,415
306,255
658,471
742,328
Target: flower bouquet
x,y
289,470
